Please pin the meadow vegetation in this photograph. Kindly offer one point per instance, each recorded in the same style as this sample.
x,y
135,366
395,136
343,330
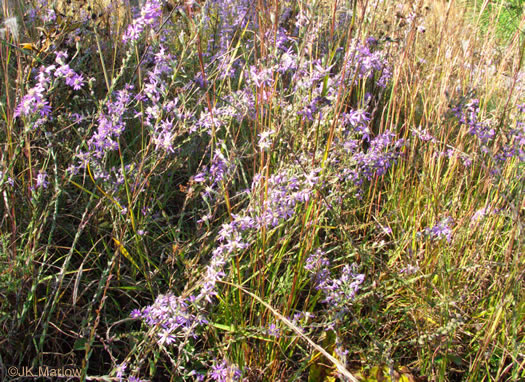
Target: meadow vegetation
x,y
263,190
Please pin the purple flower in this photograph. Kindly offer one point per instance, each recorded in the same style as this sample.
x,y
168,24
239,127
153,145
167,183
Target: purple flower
x,y
231,17
76,81
364,62
150,13
339,292
222,372
467,160
468,115
33,102
64,71
105,139
381,155
172,315
50,16
318,265
423,134
60,57
135,313
409,269
243,223
288,61
219,371
214,272
480,214
198,376
200,80
441,230
164,136
309,110
9,180
339,349
41,180
371,41
121,369
261,77
357,118
166,337
273,331
265,141
216,173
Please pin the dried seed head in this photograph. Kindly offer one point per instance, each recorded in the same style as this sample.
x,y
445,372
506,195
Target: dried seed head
x,y
11,25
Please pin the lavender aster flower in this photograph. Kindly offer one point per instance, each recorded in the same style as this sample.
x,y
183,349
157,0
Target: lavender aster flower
x,y
273,330
198,376
365,62
76,81
41,180
339,292
264,139
166,337
149,15
219,372
423,134
468,115
164,135
441,230
33,102
409,269
172,316
480,214
135,313
222,372
121,369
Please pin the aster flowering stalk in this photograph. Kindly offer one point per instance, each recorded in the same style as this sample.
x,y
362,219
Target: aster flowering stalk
x,y
161,113
215,175
468,115
441,230
340,291
383,152
41,180
223,371
515,139
358,120
35,103
110,126
72,79
232,16
150,15
285,193
364,62
172,317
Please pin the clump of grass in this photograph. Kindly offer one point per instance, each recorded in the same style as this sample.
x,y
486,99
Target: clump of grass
x,y
504,16
238,190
